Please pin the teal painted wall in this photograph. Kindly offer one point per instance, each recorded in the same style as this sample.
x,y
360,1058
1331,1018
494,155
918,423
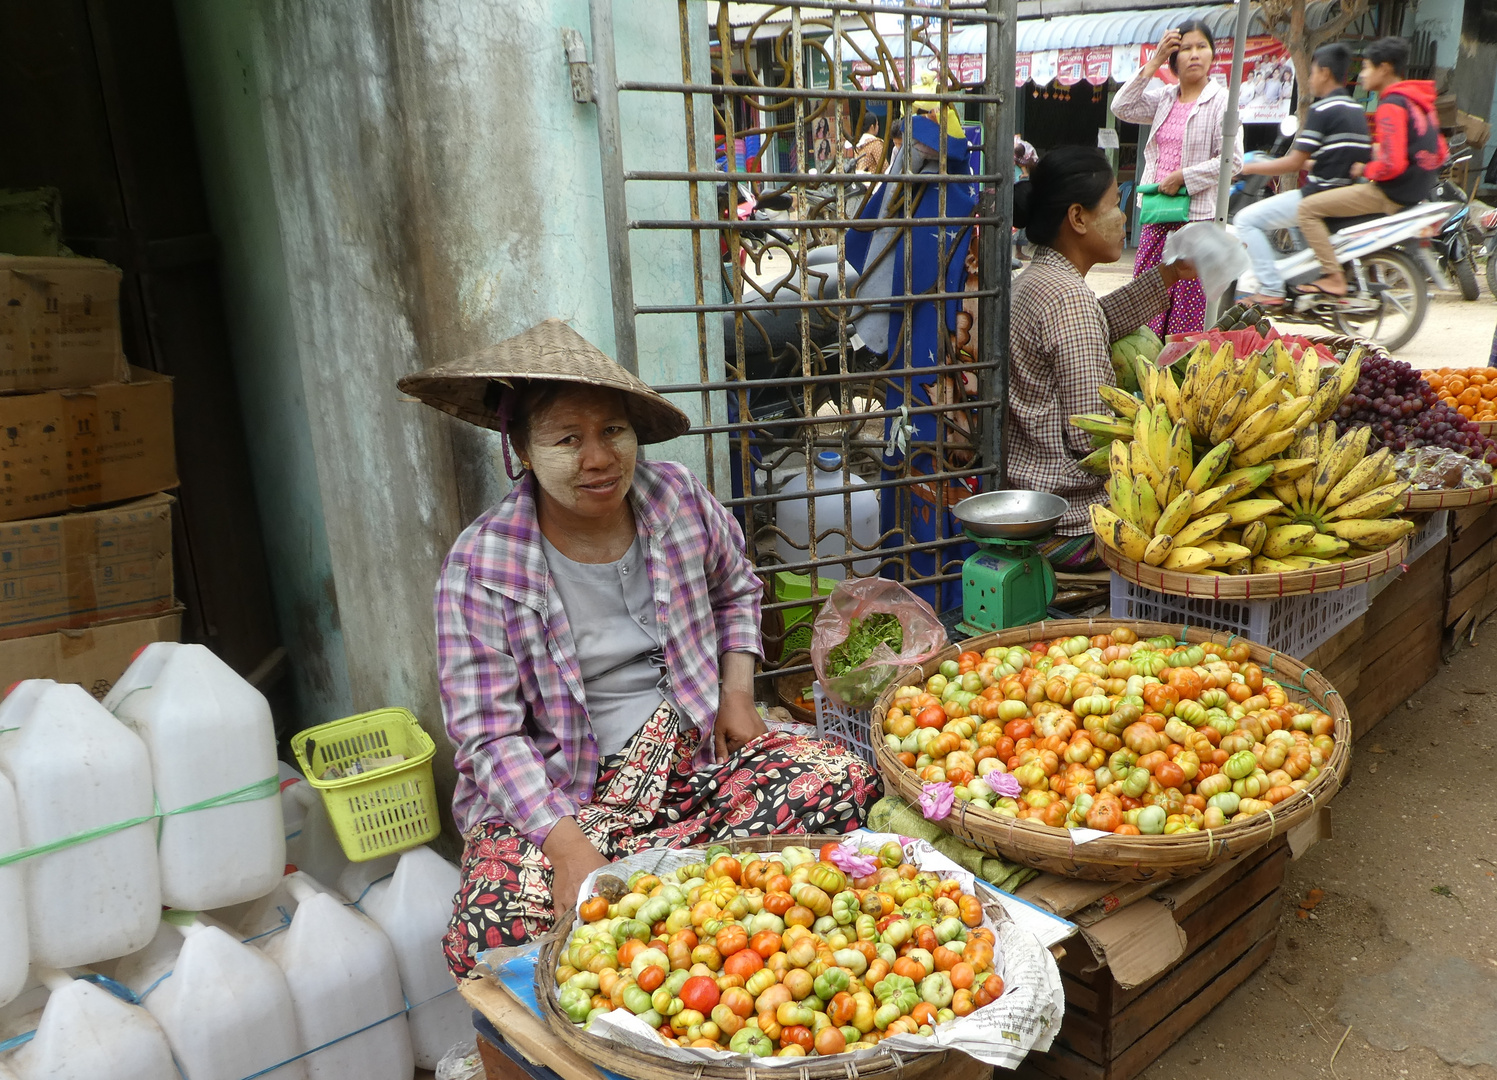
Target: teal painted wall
x,y
396,185
226,107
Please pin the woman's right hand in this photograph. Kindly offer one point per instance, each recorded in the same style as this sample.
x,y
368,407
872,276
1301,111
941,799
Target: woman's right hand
x,y
1166,48
572,857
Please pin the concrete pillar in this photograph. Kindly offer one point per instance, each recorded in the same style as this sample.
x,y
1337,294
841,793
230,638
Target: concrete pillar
x,y
423,186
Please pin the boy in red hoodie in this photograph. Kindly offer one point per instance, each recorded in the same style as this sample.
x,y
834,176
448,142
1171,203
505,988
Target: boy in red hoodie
x,y
1407,155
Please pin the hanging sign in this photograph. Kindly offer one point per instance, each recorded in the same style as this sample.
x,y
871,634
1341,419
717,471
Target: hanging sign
x,y
1098,64
1071,67
1021,68
1044,66
1267,77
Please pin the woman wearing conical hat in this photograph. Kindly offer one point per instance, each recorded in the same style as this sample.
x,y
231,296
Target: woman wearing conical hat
x,y
597,632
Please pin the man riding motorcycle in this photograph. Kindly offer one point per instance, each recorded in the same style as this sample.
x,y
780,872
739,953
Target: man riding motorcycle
x,y
1333,140
1407,156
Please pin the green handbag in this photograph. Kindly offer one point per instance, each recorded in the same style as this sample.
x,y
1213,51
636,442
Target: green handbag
x,y
1157,208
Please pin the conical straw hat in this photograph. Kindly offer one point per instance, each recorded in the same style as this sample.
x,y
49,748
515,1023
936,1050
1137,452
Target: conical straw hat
x,y
474,387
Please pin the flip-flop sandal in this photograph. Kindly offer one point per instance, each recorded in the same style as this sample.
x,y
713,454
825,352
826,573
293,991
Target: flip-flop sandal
x,y
1312,290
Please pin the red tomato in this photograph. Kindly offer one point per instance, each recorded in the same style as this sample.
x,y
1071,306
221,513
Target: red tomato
x,y
797,1035
830,1040
766,943
932,716
651,977
744,962
826,850
700,993
732,939
1169,774
726,866
1021,728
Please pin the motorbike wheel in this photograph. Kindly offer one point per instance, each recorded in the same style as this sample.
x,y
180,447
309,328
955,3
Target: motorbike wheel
x,y
1404,298
1465,276
1492,274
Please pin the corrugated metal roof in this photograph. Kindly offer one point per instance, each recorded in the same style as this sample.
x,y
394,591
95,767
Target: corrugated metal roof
x,y
1063,31
1125,28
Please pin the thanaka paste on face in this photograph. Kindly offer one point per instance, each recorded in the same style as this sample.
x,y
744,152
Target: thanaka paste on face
x,y
558,469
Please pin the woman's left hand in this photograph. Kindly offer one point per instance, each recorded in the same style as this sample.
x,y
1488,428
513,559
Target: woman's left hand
x,y
738,723
1172,183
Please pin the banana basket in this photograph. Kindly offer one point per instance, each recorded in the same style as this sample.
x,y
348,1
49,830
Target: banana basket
x,y
1256,586
1129,858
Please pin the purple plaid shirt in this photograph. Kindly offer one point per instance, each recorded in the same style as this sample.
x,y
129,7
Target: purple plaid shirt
x,y
512,692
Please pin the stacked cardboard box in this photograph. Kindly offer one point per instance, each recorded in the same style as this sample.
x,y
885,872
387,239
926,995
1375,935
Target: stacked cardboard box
x,y
86,450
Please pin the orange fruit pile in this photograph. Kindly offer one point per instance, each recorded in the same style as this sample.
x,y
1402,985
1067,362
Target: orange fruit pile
x,y
1472,392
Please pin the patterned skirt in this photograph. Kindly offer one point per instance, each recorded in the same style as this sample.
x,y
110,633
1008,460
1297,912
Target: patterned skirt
x,y
648,795
1185,311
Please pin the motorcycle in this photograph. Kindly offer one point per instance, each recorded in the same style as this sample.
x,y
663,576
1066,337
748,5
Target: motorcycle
x,y
1488,226
1386,259
1455,247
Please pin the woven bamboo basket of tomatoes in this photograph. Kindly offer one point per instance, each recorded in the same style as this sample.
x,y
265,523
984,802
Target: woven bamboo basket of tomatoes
x,y
877,1064
1115,857
1257,586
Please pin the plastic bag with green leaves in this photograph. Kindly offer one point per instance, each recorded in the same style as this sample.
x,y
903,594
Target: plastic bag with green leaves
x,y
868,632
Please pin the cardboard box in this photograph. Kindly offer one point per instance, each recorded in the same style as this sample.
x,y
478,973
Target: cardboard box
x,y
76,570
64,449
59,323
94,657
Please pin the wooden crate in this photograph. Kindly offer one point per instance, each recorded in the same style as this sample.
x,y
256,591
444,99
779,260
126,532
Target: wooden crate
x,y
1402,640
1110,1033
1472,591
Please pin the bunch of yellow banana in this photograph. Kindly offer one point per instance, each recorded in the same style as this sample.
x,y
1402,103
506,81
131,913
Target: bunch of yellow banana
x,y
1337,509
1166,508
1228,397
1225,398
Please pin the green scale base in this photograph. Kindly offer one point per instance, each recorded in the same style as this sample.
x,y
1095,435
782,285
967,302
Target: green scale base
x,y
1005,583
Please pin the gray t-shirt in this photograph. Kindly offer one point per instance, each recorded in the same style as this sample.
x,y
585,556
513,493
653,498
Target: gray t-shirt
x,y
612,615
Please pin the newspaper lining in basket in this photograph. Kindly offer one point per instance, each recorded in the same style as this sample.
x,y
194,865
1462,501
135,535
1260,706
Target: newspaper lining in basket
x,y
1027,1016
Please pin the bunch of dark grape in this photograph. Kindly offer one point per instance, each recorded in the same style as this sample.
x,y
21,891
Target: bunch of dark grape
x,y
1404,412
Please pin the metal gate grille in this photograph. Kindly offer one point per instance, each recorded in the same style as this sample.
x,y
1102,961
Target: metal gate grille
x,y
862,300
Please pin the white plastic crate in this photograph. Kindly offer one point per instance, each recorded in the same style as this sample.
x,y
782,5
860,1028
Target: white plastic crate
x,y
839,724
1433,532
1295,625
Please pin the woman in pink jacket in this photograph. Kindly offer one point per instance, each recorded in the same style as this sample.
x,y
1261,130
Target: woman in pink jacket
x,y
1183,151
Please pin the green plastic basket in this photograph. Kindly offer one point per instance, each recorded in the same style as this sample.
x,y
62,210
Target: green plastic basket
x,y
383,811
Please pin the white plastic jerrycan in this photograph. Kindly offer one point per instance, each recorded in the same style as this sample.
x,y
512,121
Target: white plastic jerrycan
x,y
208,733
345,986
15,949
858,518
87,1033
226,1010
256,921
75,768
413,908
315,848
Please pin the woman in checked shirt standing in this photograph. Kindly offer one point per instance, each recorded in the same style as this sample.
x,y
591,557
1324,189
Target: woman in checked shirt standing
x,y
1060,334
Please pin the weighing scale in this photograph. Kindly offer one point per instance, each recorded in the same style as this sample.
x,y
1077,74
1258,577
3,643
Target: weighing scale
x,y
1007,582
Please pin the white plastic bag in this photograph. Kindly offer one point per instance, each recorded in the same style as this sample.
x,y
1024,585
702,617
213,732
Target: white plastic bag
x,y
1219,258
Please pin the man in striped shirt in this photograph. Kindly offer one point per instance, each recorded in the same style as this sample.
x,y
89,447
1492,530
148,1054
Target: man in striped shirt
x,y
1333,139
